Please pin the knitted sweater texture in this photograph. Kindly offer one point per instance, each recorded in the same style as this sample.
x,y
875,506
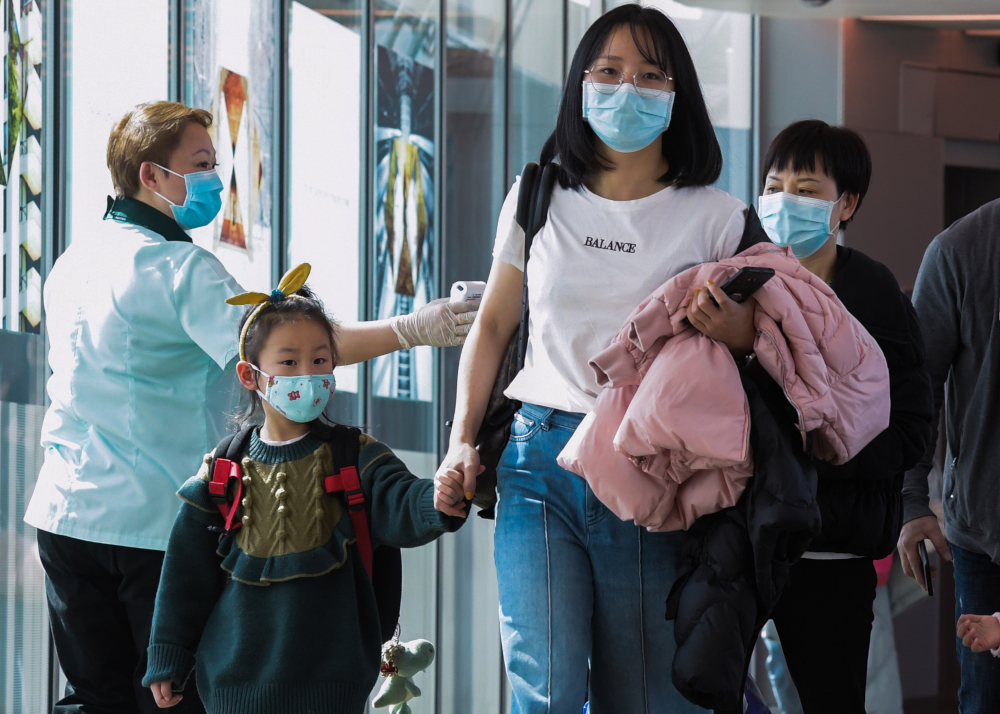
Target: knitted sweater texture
x,y
282,617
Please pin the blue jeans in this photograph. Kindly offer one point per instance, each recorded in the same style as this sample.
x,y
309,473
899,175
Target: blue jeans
x,y
977,592
577,586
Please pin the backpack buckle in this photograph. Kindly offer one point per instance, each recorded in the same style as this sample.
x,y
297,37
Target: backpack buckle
x,y
222,471
355,499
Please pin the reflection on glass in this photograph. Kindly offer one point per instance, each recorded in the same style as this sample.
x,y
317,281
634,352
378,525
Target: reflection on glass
x,y
24,636
21,167
580,15
230,70
106,80
475,185
405,234
721,46
324,75
403,271
536,77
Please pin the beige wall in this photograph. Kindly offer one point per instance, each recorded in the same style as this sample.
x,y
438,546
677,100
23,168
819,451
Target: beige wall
x,y
904,209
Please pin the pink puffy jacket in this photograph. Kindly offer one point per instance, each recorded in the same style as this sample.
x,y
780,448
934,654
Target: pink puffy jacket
x,y
669,439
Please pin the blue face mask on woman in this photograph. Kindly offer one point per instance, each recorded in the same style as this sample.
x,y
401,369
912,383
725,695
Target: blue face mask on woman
x,y
202,202
625,120
800,222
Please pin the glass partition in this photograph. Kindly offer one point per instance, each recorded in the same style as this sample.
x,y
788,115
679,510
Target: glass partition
x,y
405,251
721,45
21,167
404,161
470,661
24,636
537,69
106,80
580,15
231,58
324,163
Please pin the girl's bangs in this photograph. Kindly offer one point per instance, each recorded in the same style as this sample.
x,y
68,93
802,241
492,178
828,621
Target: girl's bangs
x,y
652,45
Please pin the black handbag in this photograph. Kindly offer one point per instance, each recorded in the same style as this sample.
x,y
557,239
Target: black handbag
x,y
494,432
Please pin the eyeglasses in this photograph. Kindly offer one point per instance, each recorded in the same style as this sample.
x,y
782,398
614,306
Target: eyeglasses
x,y
607,78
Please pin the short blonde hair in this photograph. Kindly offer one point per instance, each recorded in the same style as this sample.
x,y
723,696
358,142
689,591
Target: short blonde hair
x,y
150,132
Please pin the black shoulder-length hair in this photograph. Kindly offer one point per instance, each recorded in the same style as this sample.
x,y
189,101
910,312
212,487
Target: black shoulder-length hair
x,y
689,143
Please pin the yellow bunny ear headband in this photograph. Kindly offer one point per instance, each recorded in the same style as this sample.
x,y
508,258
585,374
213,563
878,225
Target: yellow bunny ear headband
x,y
292,282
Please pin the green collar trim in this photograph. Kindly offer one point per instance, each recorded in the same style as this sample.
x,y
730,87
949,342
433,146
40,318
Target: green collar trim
x,y
129,210
266,454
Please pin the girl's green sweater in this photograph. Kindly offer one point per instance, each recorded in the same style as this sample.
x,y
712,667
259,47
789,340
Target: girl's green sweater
x,y
291,625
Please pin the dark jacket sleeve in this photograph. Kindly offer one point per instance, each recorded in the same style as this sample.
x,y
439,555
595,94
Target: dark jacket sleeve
x,y
402,505
191,583
905,441
937,304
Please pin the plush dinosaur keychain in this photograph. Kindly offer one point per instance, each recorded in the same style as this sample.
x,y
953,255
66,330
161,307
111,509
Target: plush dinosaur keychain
x,y
400,662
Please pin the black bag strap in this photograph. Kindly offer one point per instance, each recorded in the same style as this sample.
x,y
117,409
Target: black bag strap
x,y
753,231
232,446
345,444
387,562
533,199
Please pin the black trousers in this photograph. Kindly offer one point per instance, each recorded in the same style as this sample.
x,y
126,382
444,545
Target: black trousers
x,y
101,601
824,620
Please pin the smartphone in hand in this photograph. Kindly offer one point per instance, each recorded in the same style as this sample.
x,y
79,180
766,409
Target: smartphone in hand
x,y
745,283
925,563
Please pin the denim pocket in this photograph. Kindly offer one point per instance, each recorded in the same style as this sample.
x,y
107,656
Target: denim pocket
x,y
523,428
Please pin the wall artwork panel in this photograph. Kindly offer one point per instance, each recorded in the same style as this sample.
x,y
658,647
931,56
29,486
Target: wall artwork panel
x,y
405,265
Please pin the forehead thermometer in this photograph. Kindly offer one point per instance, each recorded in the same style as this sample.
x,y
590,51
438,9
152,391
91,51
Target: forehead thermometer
x,y
467,291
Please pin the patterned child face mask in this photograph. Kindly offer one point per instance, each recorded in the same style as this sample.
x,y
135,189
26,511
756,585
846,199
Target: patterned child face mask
x,y
301,398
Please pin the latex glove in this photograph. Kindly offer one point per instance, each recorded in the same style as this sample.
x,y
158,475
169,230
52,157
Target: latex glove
x,y
439,323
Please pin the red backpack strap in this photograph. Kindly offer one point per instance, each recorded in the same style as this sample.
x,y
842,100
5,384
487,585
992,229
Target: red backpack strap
x,y
224,471
225,468
347,480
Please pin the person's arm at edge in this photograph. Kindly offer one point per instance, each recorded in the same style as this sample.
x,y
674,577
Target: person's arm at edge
x,y
499,317
439,323
937,303
362,341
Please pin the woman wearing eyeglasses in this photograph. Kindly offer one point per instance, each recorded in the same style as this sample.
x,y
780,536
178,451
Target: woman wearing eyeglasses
x,y
632,208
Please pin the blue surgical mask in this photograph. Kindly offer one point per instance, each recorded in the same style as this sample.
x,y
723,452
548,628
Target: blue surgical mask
x,y
202,202
625,120
301,398
800,222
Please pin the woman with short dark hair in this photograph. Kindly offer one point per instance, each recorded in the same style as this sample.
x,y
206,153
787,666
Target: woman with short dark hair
x,y
633,207
815,177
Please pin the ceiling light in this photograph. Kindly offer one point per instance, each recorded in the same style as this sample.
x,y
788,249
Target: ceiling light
x,y
933,18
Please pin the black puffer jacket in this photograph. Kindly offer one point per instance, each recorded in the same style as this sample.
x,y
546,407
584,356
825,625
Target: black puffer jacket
x,y
861,501
735,562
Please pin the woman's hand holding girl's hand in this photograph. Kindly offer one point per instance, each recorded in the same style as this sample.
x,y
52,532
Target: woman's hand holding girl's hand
x,y
164,694
979,632
455,480
729,322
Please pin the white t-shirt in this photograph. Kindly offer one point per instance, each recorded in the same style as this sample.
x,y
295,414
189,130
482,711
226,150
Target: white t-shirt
x,y
592,264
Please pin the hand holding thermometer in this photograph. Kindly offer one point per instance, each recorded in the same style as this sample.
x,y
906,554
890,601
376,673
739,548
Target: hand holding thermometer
x,y
467,291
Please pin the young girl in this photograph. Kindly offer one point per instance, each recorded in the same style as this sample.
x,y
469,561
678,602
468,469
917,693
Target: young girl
x,y
278,613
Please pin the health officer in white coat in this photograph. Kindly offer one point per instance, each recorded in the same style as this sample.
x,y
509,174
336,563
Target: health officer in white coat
x,y
140,345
